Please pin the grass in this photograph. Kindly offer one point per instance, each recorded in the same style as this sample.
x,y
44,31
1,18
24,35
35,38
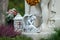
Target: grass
x,y
21,37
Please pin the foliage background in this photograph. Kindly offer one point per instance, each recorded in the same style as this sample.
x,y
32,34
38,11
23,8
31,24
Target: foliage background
x,y
18,4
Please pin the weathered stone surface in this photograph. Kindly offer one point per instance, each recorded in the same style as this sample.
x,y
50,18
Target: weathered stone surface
x,y
3,9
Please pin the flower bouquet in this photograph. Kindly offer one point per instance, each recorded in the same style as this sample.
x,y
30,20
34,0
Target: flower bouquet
x,y
10,14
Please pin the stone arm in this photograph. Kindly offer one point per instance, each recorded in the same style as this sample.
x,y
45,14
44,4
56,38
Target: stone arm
x,y
26,8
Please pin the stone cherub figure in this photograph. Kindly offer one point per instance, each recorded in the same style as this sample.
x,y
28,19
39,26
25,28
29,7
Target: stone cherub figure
x,y
29,24
42,11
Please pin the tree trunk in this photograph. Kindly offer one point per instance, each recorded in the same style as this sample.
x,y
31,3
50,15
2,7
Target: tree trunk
x,y
3,9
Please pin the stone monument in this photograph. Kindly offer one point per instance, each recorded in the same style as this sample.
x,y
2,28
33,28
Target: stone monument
x,y
44,13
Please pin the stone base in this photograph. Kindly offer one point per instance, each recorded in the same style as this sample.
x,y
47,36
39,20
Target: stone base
x,y
38,36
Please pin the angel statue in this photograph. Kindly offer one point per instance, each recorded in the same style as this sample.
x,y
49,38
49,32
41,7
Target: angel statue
x,y
41,9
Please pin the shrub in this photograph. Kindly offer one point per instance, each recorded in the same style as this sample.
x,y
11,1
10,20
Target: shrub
x,y
8,31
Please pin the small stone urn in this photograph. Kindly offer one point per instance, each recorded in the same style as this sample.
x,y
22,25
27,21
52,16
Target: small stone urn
x,y
18,23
